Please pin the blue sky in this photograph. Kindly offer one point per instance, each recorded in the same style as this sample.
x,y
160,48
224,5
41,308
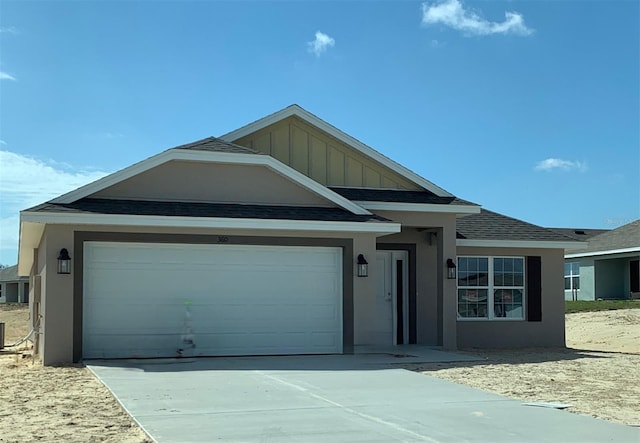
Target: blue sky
x,y
529,108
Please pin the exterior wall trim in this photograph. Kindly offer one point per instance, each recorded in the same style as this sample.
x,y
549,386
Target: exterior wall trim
x,y
126,237
295,110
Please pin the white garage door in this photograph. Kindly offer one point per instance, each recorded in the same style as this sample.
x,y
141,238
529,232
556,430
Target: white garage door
x,y
159,300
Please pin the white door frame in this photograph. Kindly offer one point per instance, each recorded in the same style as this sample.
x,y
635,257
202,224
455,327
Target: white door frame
x,y
392,273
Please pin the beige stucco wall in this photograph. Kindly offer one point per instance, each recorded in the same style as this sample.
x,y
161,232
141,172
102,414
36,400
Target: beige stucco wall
x,y
213,182
57,307
517,333
57,298
322,157
364,294
435,295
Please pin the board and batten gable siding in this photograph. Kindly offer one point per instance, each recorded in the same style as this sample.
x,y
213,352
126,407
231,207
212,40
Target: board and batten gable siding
x,y
321,157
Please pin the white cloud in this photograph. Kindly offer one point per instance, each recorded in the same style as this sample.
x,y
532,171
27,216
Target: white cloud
x,y
8,30
452,13
320,44
26,182
550,164
5,76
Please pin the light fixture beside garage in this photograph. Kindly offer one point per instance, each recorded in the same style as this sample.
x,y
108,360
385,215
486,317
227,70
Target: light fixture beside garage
x,y
363,266
451,269
64,262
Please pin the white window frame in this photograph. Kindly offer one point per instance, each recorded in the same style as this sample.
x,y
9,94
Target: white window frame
x,y
491,288
571,276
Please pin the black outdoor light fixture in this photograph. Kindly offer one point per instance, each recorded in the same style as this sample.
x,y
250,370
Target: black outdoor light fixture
x,y
64,262
363,266
451,269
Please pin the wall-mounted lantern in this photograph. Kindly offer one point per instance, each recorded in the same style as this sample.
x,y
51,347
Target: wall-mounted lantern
x,y
64,262
451,269
363,266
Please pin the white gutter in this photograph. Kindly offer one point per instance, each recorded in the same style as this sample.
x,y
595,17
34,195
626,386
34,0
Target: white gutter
x,y
208,222
418,207
600,253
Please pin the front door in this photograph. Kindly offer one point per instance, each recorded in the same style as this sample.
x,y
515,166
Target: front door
x,y
392,296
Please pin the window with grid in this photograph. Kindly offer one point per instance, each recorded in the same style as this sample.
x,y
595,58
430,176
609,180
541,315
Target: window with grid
x,y
571,276
491,288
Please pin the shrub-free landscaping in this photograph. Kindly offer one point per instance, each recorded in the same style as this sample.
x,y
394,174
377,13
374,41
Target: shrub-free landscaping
x,y
599,305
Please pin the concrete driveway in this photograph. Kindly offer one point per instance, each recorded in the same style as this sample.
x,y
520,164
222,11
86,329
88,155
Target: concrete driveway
x,y
342,398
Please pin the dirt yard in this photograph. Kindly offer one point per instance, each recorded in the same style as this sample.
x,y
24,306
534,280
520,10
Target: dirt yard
x,y
598,375
65,404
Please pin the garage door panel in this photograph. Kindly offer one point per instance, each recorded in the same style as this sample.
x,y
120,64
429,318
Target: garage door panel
x,y
145,345
141,299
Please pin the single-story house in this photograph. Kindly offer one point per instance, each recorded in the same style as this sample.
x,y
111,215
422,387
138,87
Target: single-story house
x,y
13,288
608,268
285,236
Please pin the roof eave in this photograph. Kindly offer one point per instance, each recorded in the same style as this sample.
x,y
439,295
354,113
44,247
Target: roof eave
x,y
419,207
377,227
29,239
630,250
536,244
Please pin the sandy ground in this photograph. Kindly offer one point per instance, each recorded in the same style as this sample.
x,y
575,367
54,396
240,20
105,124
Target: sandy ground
x,y
55,404
598,375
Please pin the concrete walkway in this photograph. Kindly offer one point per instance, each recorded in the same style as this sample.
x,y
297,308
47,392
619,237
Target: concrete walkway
x,y
341,398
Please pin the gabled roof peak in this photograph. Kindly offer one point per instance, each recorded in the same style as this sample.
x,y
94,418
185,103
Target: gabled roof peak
x,y
313,120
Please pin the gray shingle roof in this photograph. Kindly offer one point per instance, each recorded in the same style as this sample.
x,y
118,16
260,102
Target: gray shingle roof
x,y
579,234
624,237
190,209
9,274
397,196
214,144
488,225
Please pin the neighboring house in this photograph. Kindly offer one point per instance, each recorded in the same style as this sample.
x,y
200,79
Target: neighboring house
x,y
572,268
286,236
609,268
13,289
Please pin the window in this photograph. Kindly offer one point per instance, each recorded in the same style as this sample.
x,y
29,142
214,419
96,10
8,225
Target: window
x,y
491,288
571,276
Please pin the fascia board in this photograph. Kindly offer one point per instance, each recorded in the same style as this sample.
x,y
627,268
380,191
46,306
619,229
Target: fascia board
x,y
112,179
314,186
418,207
213,157
520,244
601,253
381,228
295,110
